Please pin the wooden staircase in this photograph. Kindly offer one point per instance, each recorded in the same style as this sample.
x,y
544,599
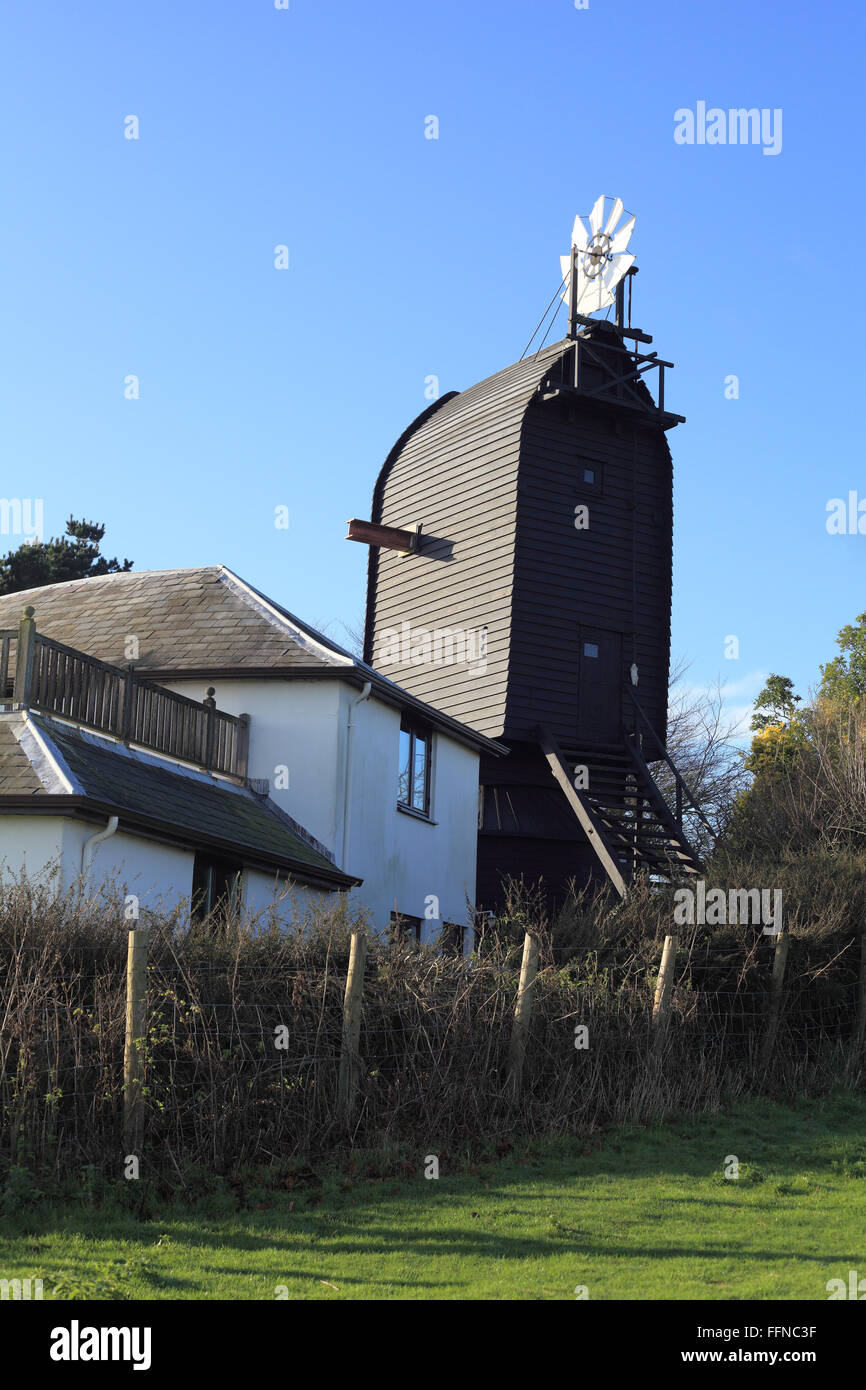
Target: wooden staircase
x,y
625,818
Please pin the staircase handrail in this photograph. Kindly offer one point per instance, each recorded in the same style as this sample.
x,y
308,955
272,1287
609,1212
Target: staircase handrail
x,y
682,786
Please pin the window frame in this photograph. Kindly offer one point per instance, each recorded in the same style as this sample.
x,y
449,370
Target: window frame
x,y
418,731
219,869
596,488
452,939
404,929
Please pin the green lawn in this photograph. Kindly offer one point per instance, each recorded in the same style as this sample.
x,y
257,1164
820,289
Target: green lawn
x,y
630,1214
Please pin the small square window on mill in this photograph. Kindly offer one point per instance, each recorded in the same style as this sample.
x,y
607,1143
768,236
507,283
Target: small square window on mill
x,y
590,649
589,475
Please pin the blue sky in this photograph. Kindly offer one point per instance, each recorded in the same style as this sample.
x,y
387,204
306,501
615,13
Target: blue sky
x,y
411,257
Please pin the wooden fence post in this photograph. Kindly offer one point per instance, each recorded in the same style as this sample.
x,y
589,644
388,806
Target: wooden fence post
x,y
774,1008
350,1062
665,987
24,655
522,1013
133,1051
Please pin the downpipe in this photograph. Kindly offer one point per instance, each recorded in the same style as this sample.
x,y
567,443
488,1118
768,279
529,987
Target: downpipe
x,y
347,788
92,843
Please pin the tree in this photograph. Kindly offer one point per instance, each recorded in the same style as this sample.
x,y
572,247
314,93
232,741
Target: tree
x,y
778,698
703,742
843,680
73,556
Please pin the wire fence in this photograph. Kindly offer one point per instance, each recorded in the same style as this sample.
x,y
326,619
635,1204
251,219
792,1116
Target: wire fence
x,y
241,1050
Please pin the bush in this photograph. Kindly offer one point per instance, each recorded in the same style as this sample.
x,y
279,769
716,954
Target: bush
x,y
221,1097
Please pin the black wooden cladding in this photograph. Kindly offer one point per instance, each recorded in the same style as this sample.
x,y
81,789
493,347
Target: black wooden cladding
x,y
574,584
493,475
555,863
457,476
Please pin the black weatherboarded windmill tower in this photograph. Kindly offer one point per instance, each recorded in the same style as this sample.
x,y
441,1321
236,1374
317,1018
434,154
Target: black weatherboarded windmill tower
x,y
520,580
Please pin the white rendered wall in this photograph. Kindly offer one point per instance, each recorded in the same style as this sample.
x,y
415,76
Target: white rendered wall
x,y
415,866
52,845
159,875
266,895
301,726
296,735
31,844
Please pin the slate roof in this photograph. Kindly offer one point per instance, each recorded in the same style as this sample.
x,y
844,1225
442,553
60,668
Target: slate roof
x,y
181,618
42,757
18,777
205,621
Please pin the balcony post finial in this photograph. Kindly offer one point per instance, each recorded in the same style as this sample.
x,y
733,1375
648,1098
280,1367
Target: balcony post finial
x,y
210,705
24,657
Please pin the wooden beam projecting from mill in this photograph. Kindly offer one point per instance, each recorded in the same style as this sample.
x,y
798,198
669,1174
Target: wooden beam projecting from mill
x,y
391,537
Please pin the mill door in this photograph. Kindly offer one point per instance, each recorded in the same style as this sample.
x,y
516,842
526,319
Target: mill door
x,y
599,713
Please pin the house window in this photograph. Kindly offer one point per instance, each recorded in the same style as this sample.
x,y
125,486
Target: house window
x,y
589,475
451,939
413,792
216,884
590,649
405,930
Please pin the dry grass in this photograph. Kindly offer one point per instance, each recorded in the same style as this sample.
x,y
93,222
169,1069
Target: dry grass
x,y
434,1037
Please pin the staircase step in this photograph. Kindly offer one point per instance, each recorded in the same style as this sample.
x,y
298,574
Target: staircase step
x,y
635,824
666,848
623,803
641,829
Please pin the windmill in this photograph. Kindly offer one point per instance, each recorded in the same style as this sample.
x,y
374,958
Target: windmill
x,y
598,259
537,506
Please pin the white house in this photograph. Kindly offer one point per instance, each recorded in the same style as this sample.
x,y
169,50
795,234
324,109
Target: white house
x,y
241,743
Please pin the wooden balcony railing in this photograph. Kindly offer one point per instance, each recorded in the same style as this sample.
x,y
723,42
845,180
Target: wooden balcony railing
x,y
45,675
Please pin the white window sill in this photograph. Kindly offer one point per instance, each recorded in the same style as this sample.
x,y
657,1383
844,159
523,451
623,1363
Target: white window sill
x,y
415,814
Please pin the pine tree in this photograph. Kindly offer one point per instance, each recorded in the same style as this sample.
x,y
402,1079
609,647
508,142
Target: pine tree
x,y
73,556
778,698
